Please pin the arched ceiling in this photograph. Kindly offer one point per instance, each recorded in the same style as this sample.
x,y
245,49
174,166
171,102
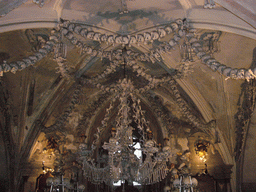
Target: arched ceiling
x,y
106,14
192,102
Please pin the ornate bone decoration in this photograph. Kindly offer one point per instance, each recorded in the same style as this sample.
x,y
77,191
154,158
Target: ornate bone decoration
x,y
209,4
122,163
179,28
39,2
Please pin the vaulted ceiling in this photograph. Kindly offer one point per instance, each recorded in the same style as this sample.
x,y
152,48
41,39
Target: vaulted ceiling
x,y
194,97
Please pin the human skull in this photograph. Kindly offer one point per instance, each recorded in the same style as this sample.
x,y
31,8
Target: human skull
x,y
154,35
140,38
96,37
90,35
161,32
77,29
174,26
83,32
111,39
147,36
168,30
240,74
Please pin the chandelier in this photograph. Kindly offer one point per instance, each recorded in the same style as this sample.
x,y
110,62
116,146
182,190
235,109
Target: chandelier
x,y
122,164
201,147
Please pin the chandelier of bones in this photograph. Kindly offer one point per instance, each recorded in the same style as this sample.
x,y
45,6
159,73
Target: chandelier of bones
x,y
122,163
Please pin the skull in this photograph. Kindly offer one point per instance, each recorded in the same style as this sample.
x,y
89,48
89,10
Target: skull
x,y
14,67
27,61
21,64
69,35
83,32
174,26
179,21
214,66
133,39
147,36
205,58
140,38
90,35
118,39
111,39
221,68
155,35
233,73
240,74
161,32
103,38
77,29
39,56
168,29
33,59
172,43
248,75
71,26
125,40
227,71
96,37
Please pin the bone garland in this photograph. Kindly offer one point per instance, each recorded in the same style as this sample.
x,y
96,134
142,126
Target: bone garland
x,y
184,107
30,60
139,118
62,69
185,68
209,4
66,28
212,63
82,30
59,124
153,56
164,119
68,33
152,81
91,111
243,116
195,44
117,54
103,125
60,54
110,69
40,3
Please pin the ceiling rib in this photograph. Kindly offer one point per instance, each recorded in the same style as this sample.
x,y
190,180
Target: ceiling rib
x,y
198,99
